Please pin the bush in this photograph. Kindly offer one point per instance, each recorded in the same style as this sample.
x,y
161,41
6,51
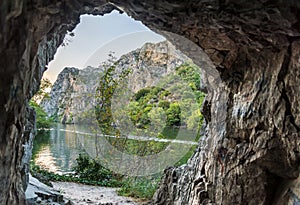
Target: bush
x,y
92,171
87,171
141,93
173,115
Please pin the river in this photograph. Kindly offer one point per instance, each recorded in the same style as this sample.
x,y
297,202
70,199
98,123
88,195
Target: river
x,y
56,149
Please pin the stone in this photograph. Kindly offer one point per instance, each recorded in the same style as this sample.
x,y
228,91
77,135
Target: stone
x,y
39,193
29,133
250,151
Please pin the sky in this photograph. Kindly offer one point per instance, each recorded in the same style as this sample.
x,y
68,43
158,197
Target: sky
x,y
95,37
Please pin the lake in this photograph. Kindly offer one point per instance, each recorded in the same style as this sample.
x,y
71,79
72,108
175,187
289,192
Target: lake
x,y
56,149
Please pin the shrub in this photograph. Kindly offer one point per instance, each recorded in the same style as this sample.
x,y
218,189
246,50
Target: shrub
x,y
87,171
141,93
91,170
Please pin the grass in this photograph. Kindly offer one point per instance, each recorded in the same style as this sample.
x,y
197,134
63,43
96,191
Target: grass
x,y
140,187
187,156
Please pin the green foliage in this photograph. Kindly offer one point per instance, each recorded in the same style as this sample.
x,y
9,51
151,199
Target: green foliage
x,y
194,120
87,171
46,177
148,98
137,147
44,90
173,114
91,170
42,121
143,110
164,104
149,105
140,187
187,156
157,116
142,93
107,86
143,107
190,73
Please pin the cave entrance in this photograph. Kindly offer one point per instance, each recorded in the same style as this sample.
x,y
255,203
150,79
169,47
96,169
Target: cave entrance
x,y
90,42
256,49
162,106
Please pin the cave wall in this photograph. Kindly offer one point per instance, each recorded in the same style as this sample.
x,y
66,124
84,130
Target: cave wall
x,y
31,31
250,151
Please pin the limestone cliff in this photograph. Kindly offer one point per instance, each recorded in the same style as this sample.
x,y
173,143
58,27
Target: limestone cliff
x,y
74,90
250,154
67,96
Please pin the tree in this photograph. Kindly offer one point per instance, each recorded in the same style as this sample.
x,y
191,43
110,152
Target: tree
x,y
158,118
109,80
173,114
195,120
43,92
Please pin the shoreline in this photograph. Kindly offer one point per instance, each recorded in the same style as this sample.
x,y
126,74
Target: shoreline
x,y
92,195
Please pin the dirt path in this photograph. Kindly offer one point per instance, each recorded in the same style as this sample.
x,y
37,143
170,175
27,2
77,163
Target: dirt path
x,y
81,194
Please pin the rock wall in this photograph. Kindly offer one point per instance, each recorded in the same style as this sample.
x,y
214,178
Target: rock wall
x,y
72,93
61,95
31,32
250,154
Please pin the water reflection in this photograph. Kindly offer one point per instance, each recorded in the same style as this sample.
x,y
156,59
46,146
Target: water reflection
x,y
56,150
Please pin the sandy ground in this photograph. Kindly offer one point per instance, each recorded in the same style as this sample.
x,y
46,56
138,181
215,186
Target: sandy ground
x,y
81,194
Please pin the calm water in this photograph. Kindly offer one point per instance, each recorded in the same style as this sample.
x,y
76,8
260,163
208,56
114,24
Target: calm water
x,y
56,150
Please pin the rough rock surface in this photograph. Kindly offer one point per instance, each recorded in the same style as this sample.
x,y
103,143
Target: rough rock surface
x,y
60,91
74,90
250,154
39,193
29,133
69,94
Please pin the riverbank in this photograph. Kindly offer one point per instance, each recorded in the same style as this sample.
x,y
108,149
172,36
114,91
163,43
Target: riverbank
x,y
70,193
82,194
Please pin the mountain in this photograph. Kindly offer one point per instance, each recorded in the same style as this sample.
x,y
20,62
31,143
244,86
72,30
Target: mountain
x,y
74,91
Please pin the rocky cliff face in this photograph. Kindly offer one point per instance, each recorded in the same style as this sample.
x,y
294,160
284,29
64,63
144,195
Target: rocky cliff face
x,y
250,154
61,90
70,93
74,90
